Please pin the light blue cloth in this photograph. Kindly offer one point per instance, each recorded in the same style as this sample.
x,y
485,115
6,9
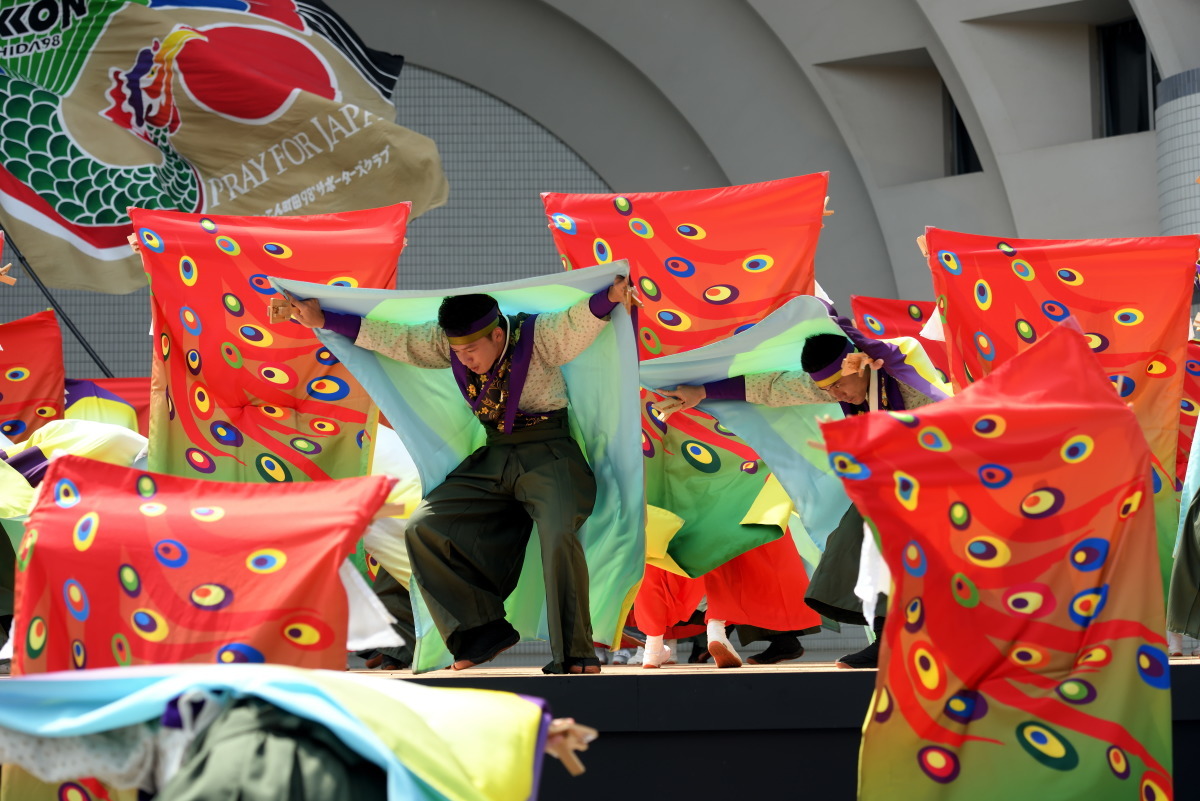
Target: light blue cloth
x,y
781,436
433,420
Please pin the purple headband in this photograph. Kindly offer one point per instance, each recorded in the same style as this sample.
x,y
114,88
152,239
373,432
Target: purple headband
x,y
476,330
832,372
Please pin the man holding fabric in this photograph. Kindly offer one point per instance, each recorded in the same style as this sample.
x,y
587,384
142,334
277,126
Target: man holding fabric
x,y
862,375
467,539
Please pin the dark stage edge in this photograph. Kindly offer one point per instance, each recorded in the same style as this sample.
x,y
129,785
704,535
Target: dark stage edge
x,y
767,731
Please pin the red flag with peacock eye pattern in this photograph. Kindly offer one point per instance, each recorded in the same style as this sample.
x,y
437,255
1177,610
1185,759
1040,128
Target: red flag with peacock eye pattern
x,y
887,318
1131,297
233,396
1189,408
31,374
122,567
707,264
1023,655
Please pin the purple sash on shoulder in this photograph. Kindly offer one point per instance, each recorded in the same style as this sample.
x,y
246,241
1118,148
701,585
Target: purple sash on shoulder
x,y
520,357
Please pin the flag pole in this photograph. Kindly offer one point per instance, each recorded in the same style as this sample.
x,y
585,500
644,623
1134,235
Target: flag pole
x,y
58,310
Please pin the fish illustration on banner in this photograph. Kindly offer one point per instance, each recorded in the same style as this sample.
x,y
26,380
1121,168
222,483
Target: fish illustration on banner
x,y
265,108
887,318
707,264
1024,654
124,567
233,396
998,296
31,374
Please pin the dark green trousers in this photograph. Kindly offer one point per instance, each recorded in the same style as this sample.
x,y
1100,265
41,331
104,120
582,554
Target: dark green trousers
x,y
831,590
395,598
1183,598
467,539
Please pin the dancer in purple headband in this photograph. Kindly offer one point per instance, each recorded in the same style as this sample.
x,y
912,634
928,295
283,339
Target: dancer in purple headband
x,y
467,539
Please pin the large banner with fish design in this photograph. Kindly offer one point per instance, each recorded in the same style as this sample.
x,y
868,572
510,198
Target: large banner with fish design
x,y
1131,297
268,107
707,263
1024,654
121,567
234,397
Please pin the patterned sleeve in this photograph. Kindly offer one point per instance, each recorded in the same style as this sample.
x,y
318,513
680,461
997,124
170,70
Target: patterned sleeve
x,y
423,345
913,399
558,337
789,388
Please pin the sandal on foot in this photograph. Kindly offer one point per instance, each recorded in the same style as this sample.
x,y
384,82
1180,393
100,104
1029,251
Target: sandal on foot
x,y
724,655
501,647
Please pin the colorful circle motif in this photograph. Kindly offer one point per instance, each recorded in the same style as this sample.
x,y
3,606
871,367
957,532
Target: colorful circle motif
x,y
647,445
261,284
601,251
984,346
1055,310
1123,384
256,335
907,490
950,261
149,625
153,509
201,401
328,388
700,456
35,637
743,327
1076,691
914,561
121,651
78,655
939,764
164,346
914,311
988,551
566,224
1089,554
151,240
690,231
226,434
650,340
306,446
1031,600
266,560
84,533
623,205
983,294
321,425
1094,656
720,294
46,411
1077,448
656,417
211,597
674,320
194,362
1154,788
649,289
325,356
679,266
17,373
1130,505
188,272
1069,277
873,324
931,678
907,419
934,439
76,600
1042,503
278,250
13,428
884,706
1118,763
1087,604
227,245
1154,667
1129,317
343,280
749,466
208,225
1047,746
964,590
1189,408
171,553
758,263
995,476
66,494
272,469
960,515
1025,331
965,706
847,466
278,374
641,228
1023,269
1097,342
130,581
232,355
1160,366
237,652
207,514
1006,249
190,320
990,426
25,551
914,615
307,632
